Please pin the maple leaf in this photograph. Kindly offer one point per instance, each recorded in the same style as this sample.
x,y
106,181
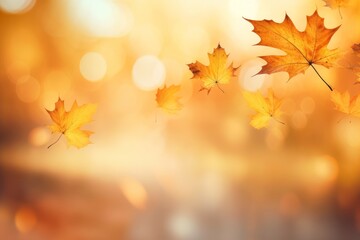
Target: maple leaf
x,y
69,123
344,104
336,4
266,108
303,49
356,66
167,100
216,73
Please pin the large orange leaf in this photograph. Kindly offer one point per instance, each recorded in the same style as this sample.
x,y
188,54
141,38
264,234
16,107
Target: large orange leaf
x,y
69,123
216,73
167,100
303,49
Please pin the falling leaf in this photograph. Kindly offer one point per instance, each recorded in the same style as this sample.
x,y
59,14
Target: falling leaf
x,y
344,104
216,73
167,100
69,123
336,4
266,108
303,49
356,66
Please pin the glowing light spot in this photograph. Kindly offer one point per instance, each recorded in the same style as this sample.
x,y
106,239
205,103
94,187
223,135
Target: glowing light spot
x,y
299,120
326,168
307,105
28,89
93,66
25,219
134,192
148,72
39,136
183,226
247,79
101,18
16,6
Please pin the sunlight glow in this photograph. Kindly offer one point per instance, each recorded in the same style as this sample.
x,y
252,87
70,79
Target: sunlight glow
x,y
148,72
39,136
101,18
326,168
134,192
93,66
16,6
25,219
247,78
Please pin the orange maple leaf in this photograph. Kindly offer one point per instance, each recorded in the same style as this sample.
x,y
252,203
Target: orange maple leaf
x,y
216,73
167,100
303,49
266,108
69,123
356,50
336,4
344,104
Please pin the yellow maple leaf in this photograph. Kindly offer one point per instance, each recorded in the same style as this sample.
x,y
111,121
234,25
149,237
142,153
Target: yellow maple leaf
x,y
303,49
344,104
69,123
266,108
216,73
167,100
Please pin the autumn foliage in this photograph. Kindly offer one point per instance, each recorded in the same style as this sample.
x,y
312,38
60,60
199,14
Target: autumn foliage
x,y
302,49
69,123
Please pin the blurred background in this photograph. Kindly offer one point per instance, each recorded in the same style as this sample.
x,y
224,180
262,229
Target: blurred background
x,y
203,173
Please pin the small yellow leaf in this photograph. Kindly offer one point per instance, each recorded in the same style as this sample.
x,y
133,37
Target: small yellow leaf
x,y
167,100
216,73
266,108
69,123
344,104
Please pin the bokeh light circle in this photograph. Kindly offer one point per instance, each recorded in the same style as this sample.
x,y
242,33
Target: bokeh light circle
x,y
93,66
28,89
39,136
16,6
148,72
25,219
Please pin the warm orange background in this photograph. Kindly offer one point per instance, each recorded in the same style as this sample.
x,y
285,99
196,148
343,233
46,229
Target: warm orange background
x,y
203,173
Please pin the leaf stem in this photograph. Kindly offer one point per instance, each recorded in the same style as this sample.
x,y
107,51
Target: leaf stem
x,y
217,84
321,77
55,141
340,12
279,121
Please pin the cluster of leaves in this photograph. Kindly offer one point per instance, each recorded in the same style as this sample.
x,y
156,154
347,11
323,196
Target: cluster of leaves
x,y
302,50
